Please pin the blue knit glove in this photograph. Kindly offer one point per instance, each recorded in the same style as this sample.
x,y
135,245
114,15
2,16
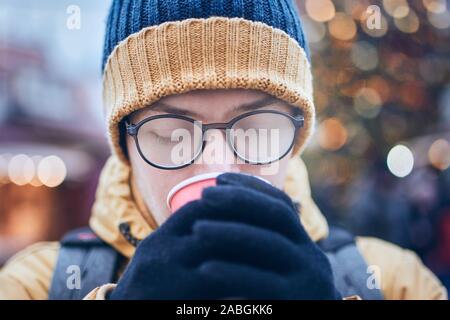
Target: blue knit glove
x,y
242,239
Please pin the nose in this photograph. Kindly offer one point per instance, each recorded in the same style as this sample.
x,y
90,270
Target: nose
x,y
217,155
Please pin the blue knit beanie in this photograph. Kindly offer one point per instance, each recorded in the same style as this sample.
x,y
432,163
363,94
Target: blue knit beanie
x,y
129,16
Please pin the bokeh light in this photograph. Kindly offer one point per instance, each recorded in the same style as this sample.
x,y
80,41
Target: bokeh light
x,y
315,30
435,6
320,10
364,55
396,8
400,161
439,20
439,154
367,102
35,181
408,24
21,169
332,134
356,8
52,171
342,27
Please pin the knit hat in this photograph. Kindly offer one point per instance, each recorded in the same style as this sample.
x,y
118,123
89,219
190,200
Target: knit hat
x,y
156,48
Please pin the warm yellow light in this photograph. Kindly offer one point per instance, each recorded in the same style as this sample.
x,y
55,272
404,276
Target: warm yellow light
x,y
320,10
408,24
342,27
401,12
396,8
356,8
439,154
332,134
4,160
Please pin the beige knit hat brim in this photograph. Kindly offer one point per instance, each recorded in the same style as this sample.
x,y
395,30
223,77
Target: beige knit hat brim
x,y
214,53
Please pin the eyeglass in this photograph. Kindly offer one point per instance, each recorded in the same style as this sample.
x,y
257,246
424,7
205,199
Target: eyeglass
x,y
173,141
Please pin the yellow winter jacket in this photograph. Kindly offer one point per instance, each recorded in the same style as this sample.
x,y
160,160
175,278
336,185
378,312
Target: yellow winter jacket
x,y
28,274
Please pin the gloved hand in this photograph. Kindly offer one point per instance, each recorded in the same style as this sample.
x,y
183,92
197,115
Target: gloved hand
x,y
242,239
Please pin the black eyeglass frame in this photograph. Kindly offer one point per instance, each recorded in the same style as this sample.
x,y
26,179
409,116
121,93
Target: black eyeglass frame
x,y
133,129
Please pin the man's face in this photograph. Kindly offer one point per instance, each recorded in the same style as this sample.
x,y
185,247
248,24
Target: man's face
x,y
207,106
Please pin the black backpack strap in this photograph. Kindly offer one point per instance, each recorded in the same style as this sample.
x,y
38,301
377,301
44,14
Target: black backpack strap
x,y
84,255
349,267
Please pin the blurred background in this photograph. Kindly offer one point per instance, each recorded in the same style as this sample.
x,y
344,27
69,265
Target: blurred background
x,y
378,163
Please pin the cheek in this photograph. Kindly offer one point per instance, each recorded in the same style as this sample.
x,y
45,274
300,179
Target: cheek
x,y
275,172
151,182
154,184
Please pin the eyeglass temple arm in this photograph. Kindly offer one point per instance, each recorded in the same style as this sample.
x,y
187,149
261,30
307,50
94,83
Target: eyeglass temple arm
x,y
299,121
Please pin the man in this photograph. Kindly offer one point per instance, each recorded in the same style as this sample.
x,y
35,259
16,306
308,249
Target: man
x,y
235,76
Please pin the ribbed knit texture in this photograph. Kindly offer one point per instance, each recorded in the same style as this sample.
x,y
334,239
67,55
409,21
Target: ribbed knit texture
x,y
130,16
214,53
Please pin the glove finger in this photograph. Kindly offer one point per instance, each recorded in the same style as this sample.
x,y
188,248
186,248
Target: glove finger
x,y
227,280
232,203
180,222
239,204
248,206
236,179
231,241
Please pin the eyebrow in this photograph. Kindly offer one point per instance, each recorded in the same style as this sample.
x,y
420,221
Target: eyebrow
x,y
163,107
264,102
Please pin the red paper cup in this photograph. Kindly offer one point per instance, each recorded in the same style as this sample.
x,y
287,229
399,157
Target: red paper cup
x,y
191,189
